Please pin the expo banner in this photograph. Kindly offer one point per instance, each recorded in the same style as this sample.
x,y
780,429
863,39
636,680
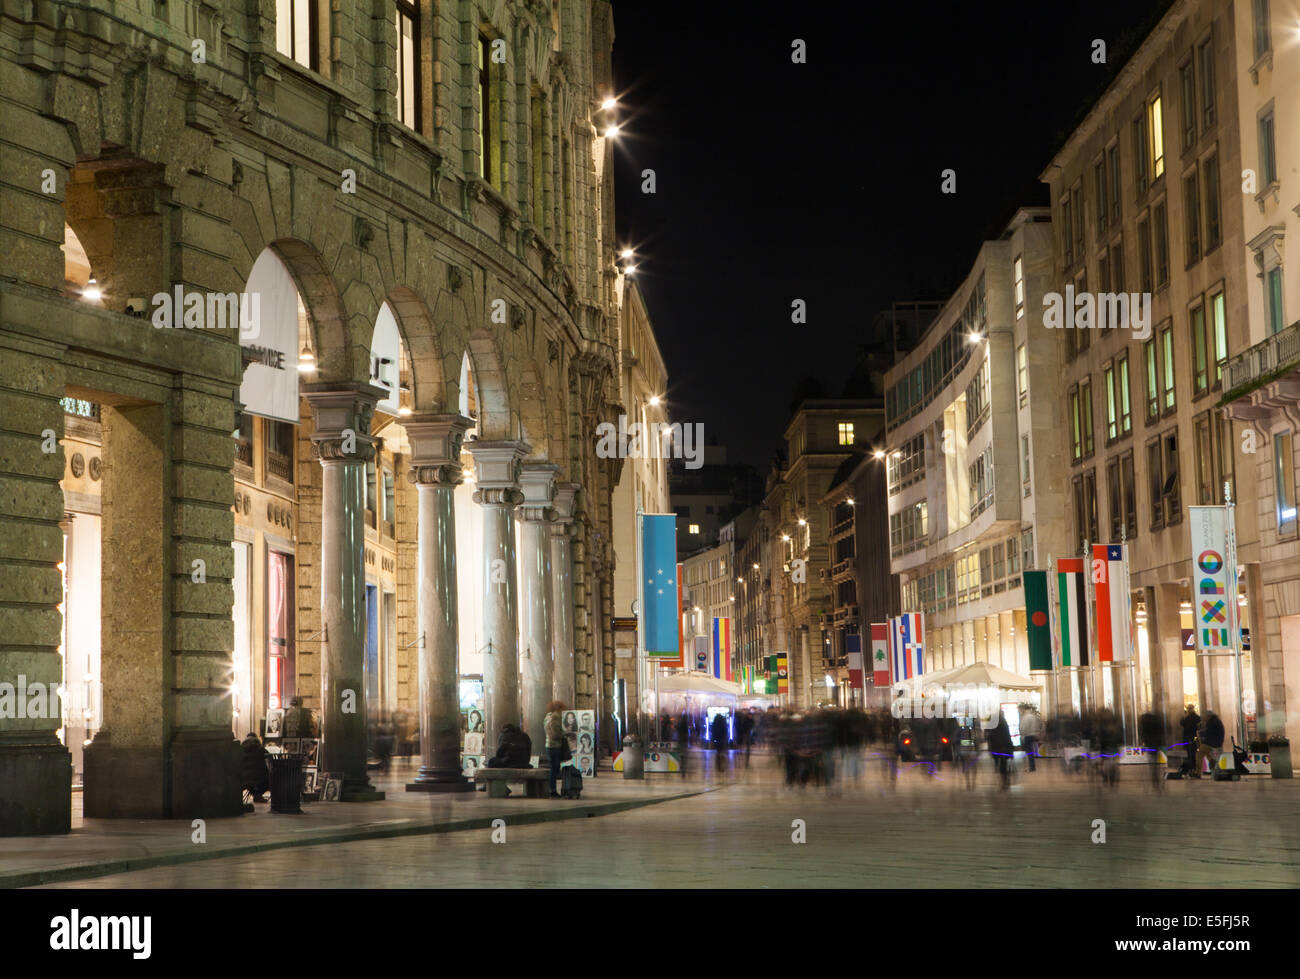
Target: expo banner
x,y
1214,578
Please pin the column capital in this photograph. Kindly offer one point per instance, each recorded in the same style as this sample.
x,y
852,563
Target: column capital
x,y
435,448
537,480
341,417
497,469
565,494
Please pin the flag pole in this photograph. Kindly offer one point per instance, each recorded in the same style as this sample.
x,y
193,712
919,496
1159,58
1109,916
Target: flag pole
x,y
1234,616
640,621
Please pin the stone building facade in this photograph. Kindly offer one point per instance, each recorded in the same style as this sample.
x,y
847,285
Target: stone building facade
x,y
446,162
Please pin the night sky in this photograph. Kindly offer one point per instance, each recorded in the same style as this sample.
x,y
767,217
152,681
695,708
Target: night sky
x,y
821,181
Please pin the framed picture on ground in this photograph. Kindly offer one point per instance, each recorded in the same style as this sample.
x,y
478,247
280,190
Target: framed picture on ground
x,y
308,781
274,722
309,748
333,788
470,764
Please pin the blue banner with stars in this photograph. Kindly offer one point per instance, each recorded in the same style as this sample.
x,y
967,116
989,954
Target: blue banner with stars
x,y
659,583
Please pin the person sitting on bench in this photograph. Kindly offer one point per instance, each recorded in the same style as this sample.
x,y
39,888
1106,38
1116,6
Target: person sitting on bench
x,y
514,750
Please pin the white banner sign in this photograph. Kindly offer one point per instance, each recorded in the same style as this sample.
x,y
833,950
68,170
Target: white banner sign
x,y
383,359
1214,579
270,350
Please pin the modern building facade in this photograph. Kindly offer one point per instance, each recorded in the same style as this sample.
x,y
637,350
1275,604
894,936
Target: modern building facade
x,y
411,214
974,422
1261,384
1144,201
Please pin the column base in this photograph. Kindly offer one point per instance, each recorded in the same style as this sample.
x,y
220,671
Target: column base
x,y
131,782
440,780
360,790
35,790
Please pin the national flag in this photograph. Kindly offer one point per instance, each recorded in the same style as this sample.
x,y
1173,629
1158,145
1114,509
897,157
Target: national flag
x,y
909,646
661,605
880,654
680,659
1038,619
722,648
1073,611
1110,584
853,652
782,674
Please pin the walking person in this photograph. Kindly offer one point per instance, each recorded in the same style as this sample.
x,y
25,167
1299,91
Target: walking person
x,y
718,731
1001,748
1191,724
1211,739
555,743
1151,734
683,741
1031,731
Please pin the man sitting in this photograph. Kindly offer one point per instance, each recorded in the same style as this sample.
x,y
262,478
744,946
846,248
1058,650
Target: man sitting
x,y
514,750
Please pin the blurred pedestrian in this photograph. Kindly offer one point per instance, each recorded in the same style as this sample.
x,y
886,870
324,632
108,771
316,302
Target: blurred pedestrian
x,y
1001,749
1211,742
683,741
252,767
718,732
1190,724
1151,734
555,744
1031,730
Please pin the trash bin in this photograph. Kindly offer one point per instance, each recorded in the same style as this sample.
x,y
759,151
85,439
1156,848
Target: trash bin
x,y
286,783
633,757
1279,757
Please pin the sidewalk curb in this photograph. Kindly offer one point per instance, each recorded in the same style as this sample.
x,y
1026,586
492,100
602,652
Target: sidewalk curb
x,y
88,871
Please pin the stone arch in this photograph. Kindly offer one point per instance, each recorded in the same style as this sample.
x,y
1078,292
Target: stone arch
x,y
326,319
420,340
533,418
494,416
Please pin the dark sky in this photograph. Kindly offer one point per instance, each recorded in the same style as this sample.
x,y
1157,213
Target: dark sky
x,y
821,181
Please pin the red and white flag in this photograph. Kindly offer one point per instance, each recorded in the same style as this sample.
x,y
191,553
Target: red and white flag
x,y
853,653
1110,584
880,653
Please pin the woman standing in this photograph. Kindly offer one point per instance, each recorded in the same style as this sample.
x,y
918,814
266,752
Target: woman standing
x,y
554,726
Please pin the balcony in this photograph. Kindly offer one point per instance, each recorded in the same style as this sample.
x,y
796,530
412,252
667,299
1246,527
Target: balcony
x,y
843,568
1264,377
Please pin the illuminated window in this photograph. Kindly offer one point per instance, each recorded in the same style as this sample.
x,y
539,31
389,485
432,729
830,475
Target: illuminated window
x,y
846,433
1220,328
1267,154
1200,362
1167,365
408,76
694,528
1018,270
1284,481
295,31
1155,119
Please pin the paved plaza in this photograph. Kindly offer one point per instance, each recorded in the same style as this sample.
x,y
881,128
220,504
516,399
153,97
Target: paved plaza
x,y
736,831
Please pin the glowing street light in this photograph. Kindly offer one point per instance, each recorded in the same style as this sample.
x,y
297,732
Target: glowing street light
x,y
654,401
609,103
92,292
625,253
612,131
879,453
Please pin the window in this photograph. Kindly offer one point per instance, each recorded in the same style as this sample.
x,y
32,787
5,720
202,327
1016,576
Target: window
x,y
1167,366
1172,491
1224,445
1200,354
1085,508
1267,156
1085,409
1099,190
1018,274
1213,215
906,465
1125,404
1160,231
1155,484
1076,427
1144,255
279,449
1123,506
1115,495
1220,328
390,501
1140,163
1067,240
1206,492
1284,483
408,61
1117,265
1077,209
1192,217
1205,57
1273,299
980,473
1156,122
846,433
1153,394
1127,484
1263,44
1022,374
1027,550
977,400
485,120
1103,283
1187,83
1082,337
693,529
1112,166
295,31
908,529
537,111
372,495
1013,557
1025,466
1112,412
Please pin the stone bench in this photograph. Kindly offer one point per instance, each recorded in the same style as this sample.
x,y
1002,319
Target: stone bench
x,y
535,781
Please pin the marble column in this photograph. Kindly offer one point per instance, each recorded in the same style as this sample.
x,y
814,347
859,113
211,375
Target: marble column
x,y
436,472
496,473
341,435
562,602
536,638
